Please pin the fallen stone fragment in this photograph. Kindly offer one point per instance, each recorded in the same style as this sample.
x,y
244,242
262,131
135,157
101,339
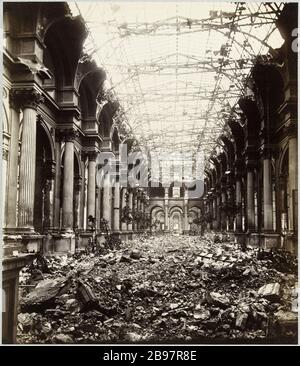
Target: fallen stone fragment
x,y
201,314
133,337
287,321
71,304
44,328
85,293
241,321
26,320
270,292
215,298
63,338
44,294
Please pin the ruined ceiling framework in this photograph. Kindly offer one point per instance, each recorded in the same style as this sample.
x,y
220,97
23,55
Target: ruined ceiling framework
x,y
178,68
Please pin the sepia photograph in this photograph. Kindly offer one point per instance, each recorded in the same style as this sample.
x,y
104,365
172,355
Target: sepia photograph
x,y
149,174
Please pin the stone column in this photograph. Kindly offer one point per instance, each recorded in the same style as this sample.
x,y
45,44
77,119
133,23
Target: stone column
x,y
30,100
166,209
185,216
39,194
223,215
77,193
117,207
267,191
130,204
218,199
214,203
12,173
107,198
83,192
49,196
4,177
57,181
68,181
238,198
185,212
250,200
293,183
138,205
211,210
97,207
91,194
123,224
134,208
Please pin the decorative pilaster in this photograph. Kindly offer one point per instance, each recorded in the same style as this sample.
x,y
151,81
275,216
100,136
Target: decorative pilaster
x,y
10,220
28,100
4,182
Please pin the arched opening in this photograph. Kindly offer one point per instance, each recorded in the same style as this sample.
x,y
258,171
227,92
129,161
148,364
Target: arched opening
x,y
44,184
157,219
176,220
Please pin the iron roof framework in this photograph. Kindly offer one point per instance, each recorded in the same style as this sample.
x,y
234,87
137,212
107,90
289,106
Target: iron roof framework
x,y
178,69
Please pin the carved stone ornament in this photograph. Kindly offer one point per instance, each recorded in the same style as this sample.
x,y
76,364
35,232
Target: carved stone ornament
x,y
92,155
69,134
25,98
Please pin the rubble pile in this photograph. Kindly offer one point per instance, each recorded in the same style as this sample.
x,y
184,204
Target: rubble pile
x,y
160,289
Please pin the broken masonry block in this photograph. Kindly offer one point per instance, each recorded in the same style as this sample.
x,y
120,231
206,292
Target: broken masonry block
x,y
86,296
44,294
215,298
241,321
271,292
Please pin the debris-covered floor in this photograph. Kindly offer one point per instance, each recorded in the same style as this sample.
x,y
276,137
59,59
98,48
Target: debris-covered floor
x,y
160,289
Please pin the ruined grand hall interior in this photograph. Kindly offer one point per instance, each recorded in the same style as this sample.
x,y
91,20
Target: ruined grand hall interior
x,y
149,172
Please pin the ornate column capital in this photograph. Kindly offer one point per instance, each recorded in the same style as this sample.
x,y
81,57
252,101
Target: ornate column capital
x,y
25,98
69,134
92,155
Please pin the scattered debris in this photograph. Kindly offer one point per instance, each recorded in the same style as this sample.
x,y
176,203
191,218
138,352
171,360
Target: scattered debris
x,y
162,289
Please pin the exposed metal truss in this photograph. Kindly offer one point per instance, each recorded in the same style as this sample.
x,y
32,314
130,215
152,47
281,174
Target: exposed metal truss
x,y
178,69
